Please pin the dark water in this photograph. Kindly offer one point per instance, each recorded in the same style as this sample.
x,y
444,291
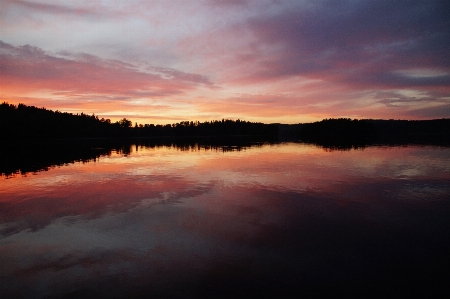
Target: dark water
x,y
277,221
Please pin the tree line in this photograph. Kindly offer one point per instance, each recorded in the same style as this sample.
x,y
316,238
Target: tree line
x,y
29,122
22,122
345,132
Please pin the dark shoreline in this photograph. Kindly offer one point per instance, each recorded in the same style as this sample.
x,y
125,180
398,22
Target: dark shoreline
x,y
23,122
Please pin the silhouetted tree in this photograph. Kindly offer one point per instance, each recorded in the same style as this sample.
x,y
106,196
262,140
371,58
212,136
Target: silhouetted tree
x,y
125,123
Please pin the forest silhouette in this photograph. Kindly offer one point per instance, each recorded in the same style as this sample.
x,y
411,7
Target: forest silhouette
x,y
22,122
29,122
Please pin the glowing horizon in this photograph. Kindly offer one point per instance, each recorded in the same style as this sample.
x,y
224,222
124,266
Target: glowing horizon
x,y
161,62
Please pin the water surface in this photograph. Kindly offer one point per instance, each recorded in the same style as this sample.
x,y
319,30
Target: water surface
x,y
195,221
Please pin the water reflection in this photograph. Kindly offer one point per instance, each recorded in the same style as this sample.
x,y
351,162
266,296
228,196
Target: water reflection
x,y
190,222
24,157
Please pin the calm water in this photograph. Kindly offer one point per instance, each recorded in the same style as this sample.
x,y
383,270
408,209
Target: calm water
x,y
277,220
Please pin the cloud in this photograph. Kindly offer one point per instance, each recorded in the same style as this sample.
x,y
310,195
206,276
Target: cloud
x,y
228,2
442,111
417,107
352,40
309,56
182,76
55,8
31,68
348,49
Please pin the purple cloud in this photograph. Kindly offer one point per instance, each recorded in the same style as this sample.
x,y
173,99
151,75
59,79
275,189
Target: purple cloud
x,y
347,41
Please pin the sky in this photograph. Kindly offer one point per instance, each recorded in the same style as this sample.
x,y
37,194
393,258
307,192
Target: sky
x,y
271,61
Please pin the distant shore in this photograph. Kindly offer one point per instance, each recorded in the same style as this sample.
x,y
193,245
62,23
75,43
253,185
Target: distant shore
x,y
28,123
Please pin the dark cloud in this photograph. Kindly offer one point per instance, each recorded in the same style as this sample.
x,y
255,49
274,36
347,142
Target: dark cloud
x,y
188,77
441,111
359,41
400,100
393,80
436,106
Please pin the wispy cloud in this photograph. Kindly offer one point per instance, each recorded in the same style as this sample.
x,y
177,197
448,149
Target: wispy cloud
x,y
54,8
30,68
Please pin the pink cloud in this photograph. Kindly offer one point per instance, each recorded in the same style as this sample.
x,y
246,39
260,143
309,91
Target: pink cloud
x,y
30,68
349,48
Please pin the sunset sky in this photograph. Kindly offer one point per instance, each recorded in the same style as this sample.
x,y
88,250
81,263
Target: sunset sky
x,y
165,61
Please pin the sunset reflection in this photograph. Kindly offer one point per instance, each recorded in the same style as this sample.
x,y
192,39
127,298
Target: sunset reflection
x,y
188,220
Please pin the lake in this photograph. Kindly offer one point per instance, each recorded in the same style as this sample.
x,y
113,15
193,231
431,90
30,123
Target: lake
x,y
198,221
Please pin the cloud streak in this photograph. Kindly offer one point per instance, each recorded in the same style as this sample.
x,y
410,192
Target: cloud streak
x,y
31,67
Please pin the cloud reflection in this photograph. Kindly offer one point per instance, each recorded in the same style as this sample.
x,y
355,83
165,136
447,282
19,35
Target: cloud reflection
x,y
277,218
118,183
